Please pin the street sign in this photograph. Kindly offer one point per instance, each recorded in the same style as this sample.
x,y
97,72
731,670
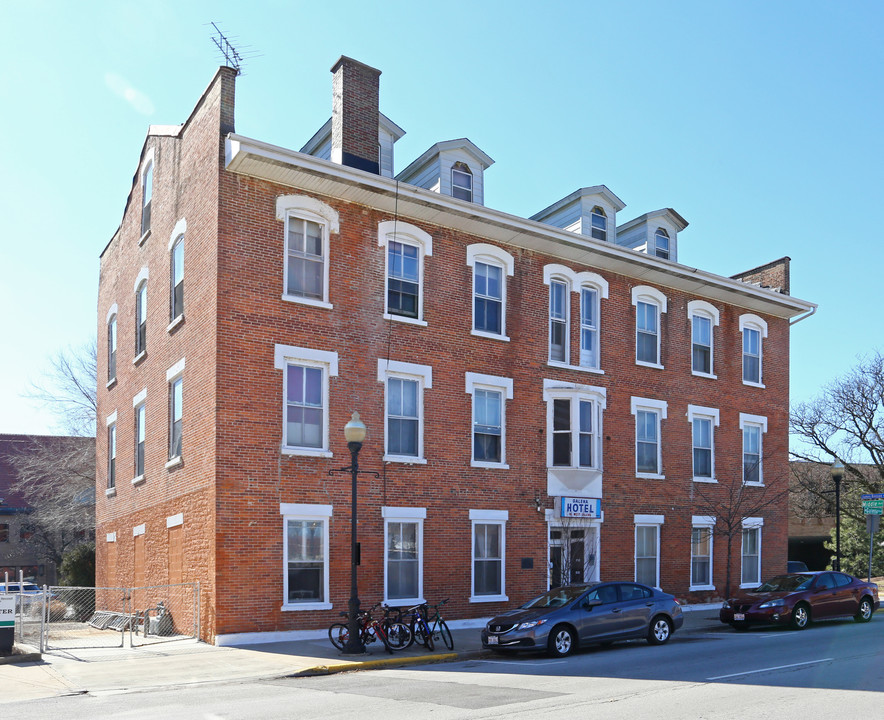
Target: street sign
x,y
873,504
872,522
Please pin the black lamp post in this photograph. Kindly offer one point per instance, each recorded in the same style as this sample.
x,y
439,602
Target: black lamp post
x,y
837,472
354,432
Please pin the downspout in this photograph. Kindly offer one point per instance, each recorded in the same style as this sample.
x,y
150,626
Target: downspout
x,y
803,317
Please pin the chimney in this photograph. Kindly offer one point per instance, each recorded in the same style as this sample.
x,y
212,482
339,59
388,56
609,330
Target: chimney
x,y
355,115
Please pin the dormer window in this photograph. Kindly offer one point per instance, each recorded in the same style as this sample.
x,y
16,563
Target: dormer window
x,y
599,224
661,244
462,182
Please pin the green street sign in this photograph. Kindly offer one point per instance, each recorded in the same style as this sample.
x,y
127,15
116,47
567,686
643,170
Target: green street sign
x,y
873,507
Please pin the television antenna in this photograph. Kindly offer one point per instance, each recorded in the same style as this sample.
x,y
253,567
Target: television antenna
x,y
232,57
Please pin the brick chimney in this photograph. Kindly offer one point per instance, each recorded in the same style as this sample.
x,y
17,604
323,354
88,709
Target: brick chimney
x,y
355,115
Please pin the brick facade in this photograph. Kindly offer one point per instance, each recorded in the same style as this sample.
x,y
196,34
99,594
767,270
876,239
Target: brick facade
x,y
233,478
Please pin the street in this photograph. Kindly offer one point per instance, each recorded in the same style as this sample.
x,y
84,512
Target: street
x,y
719,674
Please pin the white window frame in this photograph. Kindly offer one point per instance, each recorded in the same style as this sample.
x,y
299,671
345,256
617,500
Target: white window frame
x,y
574,282
751,523
140,306
652,521
173,375
423,374
576,393
598,211
178,235
406,234
298,511
146,182
759,422
463,169
698,412
703,309
112,344
302,207
416,516
111,423
655,298
658,407
497,257
749,321
285,355
139,405
662,232
702,522
502,385
488,517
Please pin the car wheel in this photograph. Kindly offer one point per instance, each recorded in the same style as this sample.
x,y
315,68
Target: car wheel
x,y
864,613
800,616
660,630
561,641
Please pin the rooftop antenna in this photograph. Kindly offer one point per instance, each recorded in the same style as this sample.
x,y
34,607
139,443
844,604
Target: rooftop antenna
x,y
232,58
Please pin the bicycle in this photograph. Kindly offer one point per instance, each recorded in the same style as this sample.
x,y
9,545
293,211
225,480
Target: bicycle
x,y
440,627
415,618
370,629
399,633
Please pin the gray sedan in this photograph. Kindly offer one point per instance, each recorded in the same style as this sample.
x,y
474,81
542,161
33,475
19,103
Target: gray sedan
x,y
572,616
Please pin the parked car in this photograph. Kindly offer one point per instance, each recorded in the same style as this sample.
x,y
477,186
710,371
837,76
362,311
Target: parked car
x,y
25,593
794,566
796,599
572,616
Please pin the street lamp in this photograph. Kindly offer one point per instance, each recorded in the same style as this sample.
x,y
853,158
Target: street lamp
x,y
354,432
837,473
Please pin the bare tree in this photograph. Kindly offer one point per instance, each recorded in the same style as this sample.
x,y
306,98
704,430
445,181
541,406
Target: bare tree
x,y
69,388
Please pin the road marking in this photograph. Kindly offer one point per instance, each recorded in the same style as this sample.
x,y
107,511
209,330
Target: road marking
x,y
522,662
778,667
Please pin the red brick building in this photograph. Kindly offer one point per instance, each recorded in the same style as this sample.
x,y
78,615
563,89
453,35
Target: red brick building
x,y
545,397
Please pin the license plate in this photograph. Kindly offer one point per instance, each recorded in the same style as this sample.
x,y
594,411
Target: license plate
x,y
739,616
492,639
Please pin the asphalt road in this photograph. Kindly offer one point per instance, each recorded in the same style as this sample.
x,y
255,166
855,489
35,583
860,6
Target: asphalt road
x,y
830,670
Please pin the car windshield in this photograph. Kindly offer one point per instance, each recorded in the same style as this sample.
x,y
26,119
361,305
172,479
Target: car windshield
x,y
557,597
786,583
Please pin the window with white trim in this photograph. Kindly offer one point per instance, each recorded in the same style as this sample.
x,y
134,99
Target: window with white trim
x,y
403,554
489,555
112,453
592,288
305,556
589,327
308,224
141,318
305,388
599,224
146,195
649,304
406,247
647,549
750,553
753,330
176,266
753,428
140,414
462,182
649,415
574,425
559,331
703,422
703,317
701,553
489,395
176,417
661,244
491,265
404,398
112,348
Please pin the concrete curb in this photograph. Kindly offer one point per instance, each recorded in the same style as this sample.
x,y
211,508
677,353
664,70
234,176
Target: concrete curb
x,y
21,654
387,663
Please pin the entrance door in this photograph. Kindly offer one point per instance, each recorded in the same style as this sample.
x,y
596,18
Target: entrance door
x,y
570,555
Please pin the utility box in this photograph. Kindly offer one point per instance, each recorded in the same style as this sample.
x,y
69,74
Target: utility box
x,y
7,622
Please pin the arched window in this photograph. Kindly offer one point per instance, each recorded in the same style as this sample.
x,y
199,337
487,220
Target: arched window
x,y
141,318
661,244
112,345
649,303
176,299
308,225
407,246
599,223
146,194
461,182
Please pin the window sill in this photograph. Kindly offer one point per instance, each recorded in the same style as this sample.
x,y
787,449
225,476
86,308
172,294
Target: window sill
x,y
404,602
174,463
295,607
111,383
490,465
580,368
110,492
139,357
754,484
656,366
307,301
305,452
488,598
705,480
406,320
138,480
650,476
697,588
406,459
744,586
175,323
710,376
490,336
754,384
143,238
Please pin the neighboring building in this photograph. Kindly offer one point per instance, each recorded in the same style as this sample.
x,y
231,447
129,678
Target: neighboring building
x,y
509,371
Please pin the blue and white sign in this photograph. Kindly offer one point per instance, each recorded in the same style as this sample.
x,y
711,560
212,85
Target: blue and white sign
x,y
575,507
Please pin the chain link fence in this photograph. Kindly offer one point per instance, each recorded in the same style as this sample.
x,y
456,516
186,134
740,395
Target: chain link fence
x,y
163,613
85,617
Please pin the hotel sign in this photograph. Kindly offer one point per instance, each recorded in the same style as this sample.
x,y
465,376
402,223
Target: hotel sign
x,y
575,507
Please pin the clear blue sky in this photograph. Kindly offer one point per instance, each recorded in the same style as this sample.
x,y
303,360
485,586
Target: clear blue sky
x,y
759,122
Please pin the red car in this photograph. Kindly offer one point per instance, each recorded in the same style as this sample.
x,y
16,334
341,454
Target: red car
x,y
796,599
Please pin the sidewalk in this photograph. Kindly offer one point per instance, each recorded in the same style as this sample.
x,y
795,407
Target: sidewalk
x,y
190,662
